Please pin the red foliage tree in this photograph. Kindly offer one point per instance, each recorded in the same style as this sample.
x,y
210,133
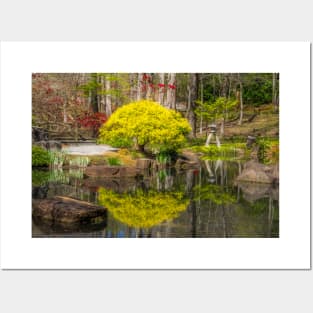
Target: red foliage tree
x,y
92,121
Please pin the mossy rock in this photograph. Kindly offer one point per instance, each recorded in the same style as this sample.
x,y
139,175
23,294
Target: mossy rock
x,y
65,210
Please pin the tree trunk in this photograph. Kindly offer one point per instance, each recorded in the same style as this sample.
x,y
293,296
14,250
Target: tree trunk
x,y
94,97
170,97
193,89
139,80
90,100
275,91
201,91
98,92
213,86
64,110
161,88
273,88
102,95
149,88
141,148
240,99
133,89
108,103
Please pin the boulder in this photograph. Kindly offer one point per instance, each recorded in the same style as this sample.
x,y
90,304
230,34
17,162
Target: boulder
x,y
185,164
53,144
65,210
189,156
42,144
253,175
144,164
259,173
253,192
110,171
275,174
187,160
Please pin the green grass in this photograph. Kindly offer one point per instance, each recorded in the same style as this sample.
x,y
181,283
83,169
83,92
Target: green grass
x,y
163,158
80,161
57,159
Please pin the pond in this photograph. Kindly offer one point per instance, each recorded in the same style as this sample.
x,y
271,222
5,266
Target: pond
x,y
199,202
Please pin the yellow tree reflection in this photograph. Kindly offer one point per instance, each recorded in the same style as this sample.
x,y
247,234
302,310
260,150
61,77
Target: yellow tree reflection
x,y
143,209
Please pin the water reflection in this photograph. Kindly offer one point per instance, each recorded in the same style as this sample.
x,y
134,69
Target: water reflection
x,y
143,209
200,202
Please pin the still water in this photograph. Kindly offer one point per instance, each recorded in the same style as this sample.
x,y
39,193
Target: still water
x,y
200,202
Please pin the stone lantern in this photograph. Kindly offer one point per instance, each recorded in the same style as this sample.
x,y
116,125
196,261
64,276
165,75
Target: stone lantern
x,y
250,141
212,132
212,129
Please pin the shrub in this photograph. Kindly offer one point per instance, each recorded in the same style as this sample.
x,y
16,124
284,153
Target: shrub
x,y
144,123
92,120
268,150
40,177
40,156
113,161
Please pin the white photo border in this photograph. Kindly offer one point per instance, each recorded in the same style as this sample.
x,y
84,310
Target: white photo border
x,y
290,251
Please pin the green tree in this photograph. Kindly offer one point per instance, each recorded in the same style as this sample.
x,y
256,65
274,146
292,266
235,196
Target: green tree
x,y
258,88
216,111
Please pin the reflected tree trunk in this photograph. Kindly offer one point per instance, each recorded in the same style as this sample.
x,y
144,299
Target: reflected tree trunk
x,y
169,181
270,215
193,209
224,225
208,167
189,180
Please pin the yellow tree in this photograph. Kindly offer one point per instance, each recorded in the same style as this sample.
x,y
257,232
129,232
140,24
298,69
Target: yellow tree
x,y
144,123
